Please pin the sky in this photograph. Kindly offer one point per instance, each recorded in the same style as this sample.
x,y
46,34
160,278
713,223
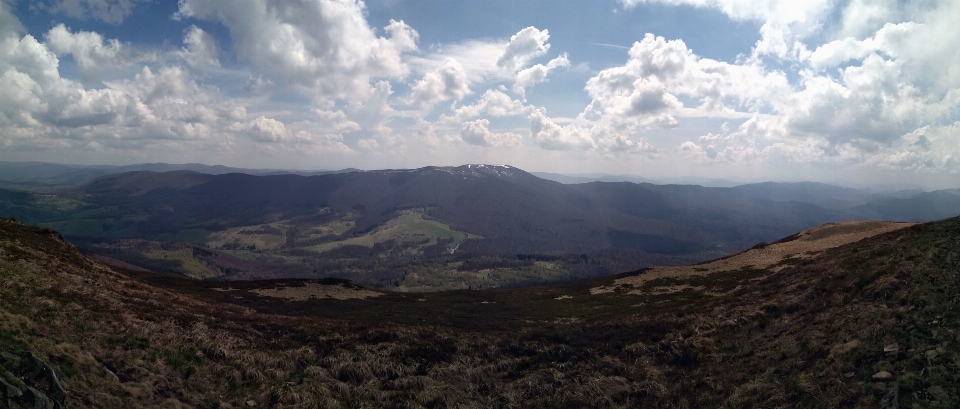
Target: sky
x,y
856,92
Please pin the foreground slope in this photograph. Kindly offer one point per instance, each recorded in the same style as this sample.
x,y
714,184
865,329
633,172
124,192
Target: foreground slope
x,y
865,324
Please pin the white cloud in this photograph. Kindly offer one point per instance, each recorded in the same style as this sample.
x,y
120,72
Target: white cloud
x,y
892,39
368,144
449,81
336,121
200,48
268,130
644,92
484,61
492,103
927,149
374,112
303,136
524,46
478,133
549,135
478,59
619,144
325,47
39,109
92,53
861,17
538,73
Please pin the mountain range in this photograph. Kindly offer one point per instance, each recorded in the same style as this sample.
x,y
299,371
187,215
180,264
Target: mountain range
x,y
43,174
381,227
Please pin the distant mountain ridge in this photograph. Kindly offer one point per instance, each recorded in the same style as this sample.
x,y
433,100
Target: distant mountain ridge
x,y
403,228
41,174
512,208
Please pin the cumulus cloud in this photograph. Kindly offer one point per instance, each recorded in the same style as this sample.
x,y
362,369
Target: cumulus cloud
x,y
326,46
861,100
164,106
862,17
368,144
91,52
644,90
549,135
336,121
538,73
927,149
524,46
449,81
492,103
585,136
302,136
752,142
200,48
375,112
478,133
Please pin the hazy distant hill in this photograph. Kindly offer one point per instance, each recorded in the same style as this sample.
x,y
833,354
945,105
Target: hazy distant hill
x,y
40,174
473,226
513,210
919,207
600,177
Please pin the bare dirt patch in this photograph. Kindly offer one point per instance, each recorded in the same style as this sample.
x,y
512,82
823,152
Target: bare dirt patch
x,y
318,291
771,257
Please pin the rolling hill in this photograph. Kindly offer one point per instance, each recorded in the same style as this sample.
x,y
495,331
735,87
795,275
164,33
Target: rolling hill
x,y
846,315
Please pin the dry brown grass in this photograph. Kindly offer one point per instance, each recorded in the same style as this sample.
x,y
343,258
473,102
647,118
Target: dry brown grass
x,y
805,245
318,291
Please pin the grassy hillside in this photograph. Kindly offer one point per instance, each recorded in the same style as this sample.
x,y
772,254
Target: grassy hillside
x,y
868,324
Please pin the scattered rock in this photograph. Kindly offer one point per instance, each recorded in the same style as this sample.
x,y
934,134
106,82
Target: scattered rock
x,y
931,354
9,391
882,375
27,381
251,403
848,375
891,349
9,357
